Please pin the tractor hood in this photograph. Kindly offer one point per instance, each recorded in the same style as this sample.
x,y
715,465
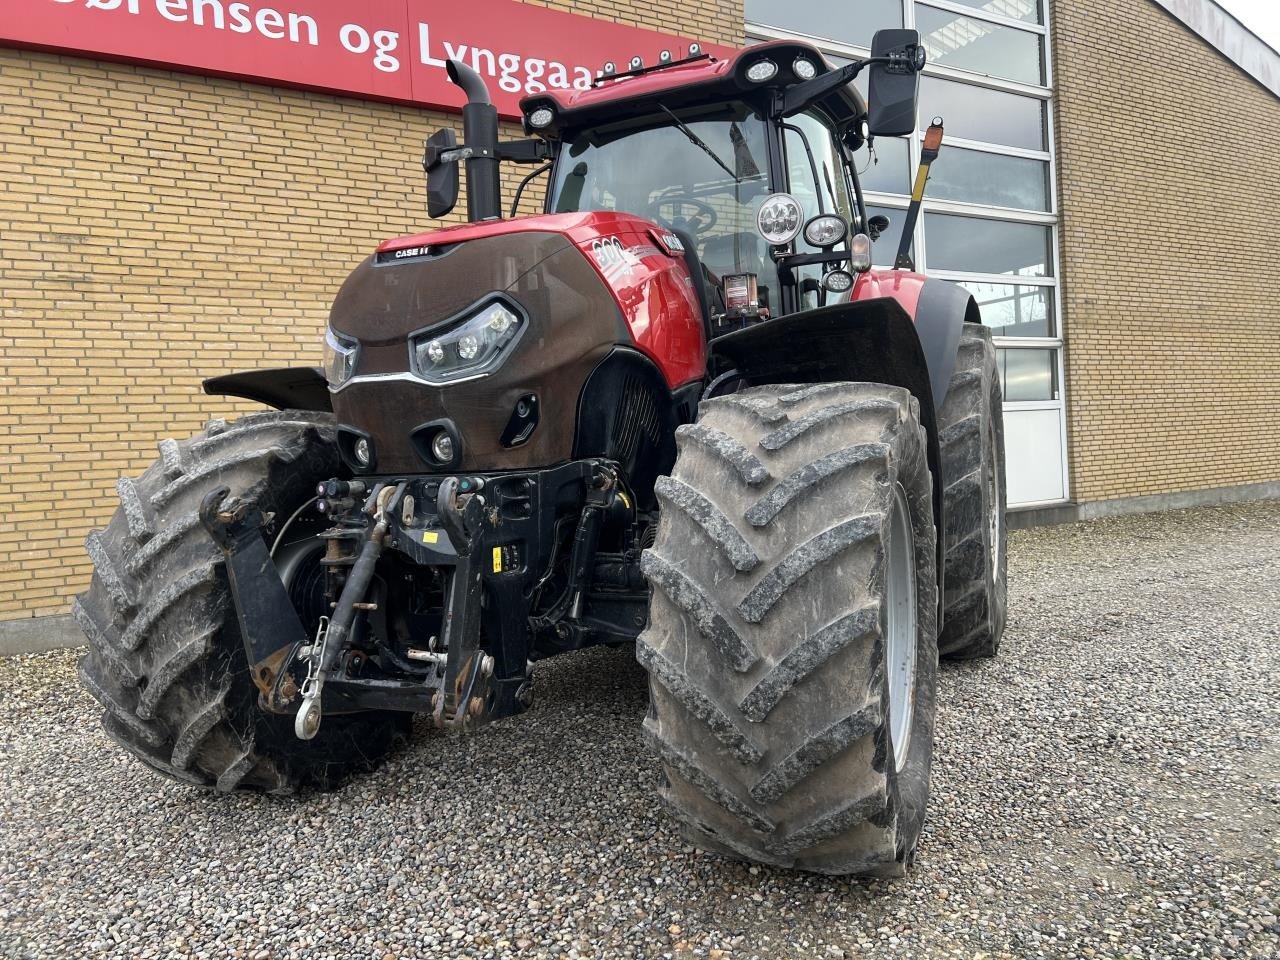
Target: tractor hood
x,y
395,299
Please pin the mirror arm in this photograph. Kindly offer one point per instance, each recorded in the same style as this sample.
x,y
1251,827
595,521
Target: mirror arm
x,y
530,150
802,94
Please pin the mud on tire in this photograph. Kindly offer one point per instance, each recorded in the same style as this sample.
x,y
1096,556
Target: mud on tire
x,y
971,434
165,657
765,647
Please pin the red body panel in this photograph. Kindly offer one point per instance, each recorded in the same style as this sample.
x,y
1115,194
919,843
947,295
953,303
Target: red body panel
x,y
902,285
653,289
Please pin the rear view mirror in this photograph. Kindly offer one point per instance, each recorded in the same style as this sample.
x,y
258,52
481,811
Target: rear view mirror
x,y
894,85
442,174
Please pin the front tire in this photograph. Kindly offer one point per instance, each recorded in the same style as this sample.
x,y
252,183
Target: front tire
x,y
165,657
791,639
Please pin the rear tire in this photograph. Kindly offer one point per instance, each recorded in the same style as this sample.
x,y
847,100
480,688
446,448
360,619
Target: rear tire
x,y
971,434
791,639
165,656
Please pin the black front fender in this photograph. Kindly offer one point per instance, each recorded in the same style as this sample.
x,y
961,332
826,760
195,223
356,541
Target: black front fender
x,y
872,341
285,388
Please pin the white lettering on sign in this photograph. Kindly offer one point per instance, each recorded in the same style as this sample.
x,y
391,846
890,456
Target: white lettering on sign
x,y
512,72
519,49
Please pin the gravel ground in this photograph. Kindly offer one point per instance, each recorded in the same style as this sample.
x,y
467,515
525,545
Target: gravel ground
x,y
1108,787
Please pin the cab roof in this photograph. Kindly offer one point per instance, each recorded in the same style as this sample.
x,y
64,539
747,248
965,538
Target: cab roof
x,y
687,83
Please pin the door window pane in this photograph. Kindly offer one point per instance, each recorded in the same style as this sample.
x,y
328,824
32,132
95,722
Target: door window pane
x,y
990,179
892,171
975,245
884,250
1028,10
953,40
837,20
989,116
1028,374
1012,310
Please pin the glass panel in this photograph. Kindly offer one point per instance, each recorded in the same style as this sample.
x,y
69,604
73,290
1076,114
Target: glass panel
x,y
816,178
990,179
1011,310
1028,374
975,245
964,43
884,250
810,149
722,158
1028,10
989,116
892,172
837,20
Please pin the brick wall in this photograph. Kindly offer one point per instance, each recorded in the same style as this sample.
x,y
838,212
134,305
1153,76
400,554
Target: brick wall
x,y
1170,269
157,228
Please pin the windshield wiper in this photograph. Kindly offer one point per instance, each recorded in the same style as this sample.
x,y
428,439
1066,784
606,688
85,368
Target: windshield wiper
x,y
697,141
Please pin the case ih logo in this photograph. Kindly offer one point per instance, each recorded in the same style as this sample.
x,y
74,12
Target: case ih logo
x,y
379,49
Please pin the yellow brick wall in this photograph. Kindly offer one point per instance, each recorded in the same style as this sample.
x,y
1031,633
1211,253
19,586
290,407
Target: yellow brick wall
x,y
157,228
1170,262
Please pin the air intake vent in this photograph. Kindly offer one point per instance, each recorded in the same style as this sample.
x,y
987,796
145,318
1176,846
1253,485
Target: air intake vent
x,y
636,420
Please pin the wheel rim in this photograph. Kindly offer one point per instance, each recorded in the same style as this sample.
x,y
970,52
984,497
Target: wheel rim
x,y
993,494
900,626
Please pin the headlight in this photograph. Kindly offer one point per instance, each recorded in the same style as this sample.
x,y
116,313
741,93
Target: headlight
x,y
339,357
468,349
762,70
825,230
779,218
804,69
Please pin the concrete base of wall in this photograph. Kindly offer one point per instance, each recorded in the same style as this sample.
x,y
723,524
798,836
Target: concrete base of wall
x,y
38,634
1022,517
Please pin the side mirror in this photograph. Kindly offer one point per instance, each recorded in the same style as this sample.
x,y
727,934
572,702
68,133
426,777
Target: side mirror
x,y
894,84
442,175
877,225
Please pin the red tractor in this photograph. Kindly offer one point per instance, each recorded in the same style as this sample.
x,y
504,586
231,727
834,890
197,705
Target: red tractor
x,y
678,410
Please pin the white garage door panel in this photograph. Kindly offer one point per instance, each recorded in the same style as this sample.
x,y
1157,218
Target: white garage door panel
x,y
1033,455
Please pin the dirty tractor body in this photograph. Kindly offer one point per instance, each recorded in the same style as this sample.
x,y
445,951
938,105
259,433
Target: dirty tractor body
x,y
678,410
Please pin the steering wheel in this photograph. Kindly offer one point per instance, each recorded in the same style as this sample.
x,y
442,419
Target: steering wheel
x,y
703,216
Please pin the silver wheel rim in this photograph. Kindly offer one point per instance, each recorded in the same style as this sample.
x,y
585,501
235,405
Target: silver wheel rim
x,y
900,626
993,491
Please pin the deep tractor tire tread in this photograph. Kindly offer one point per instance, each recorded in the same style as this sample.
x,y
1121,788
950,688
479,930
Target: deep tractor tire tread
x,y
768,706
971,436
165,658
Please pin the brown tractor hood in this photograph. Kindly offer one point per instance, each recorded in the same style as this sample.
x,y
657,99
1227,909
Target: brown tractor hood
x,y
573,323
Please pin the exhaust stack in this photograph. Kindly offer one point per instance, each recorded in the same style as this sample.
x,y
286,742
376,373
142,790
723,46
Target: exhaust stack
x,y
480,136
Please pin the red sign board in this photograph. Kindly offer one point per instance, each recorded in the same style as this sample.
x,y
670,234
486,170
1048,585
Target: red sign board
x,y
375,49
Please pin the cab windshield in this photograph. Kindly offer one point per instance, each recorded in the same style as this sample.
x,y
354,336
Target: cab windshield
x,y
702,171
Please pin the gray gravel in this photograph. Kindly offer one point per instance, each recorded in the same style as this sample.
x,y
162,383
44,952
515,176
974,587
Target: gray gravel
x,y
1108,787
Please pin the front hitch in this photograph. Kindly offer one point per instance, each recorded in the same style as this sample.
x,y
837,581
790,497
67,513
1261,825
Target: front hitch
x,y
270,628
331,639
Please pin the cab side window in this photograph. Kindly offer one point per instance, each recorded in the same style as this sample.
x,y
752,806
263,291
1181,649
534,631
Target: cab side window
x,y
818,180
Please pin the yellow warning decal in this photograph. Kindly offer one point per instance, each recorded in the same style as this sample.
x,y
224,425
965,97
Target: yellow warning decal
x,y
430,536
497,559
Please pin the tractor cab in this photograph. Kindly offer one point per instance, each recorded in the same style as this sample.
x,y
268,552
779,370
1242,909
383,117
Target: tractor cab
x,y
746,161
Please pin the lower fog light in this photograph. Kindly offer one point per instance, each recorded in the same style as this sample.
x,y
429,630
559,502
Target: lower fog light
x,y
442,447
361,450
